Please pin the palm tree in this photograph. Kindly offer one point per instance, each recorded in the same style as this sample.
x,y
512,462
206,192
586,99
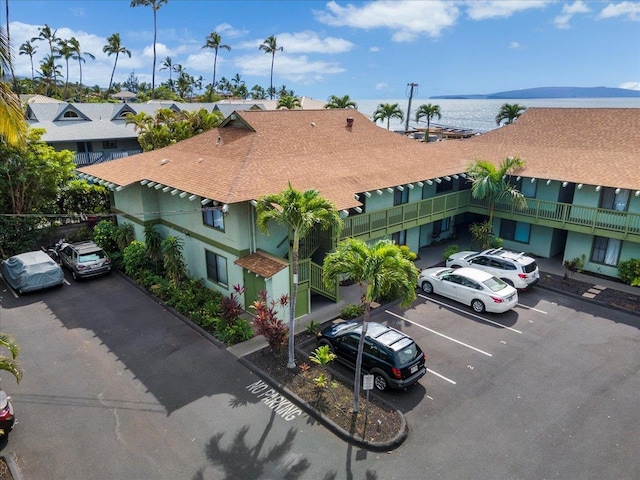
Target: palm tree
x,y
77,55
167,64
13,127
50,72
258,93
114,45
387,111
429,112
492,183
65,50
341,102
270,45
509,112
300,212
214,40
155,5
29,48
378,270
49,36
289,102
9,363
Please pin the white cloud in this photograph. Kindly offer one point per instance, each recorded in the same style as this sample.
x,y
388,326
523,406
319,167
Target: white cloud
x,y
287,67
487,9
407,20
568,11
374,49
630,85
226,30
381,86
514,45
303,42
630,9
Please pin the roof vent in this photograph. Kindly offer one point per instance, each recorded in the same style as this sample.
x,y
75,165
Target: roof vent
x,y
349,121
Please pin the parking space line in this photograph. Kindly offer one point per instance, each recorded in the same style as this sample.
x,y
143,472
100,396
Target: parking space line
x,y
441,376
486,320
532,308
438,333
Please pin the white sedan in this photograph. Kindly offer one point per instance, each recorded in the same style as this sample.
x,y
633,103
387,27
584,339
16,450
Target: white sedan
x,y
481,290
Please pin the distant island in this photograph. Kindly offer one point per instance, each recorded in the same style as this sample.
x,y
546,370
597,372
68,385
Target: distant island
x,y
550,92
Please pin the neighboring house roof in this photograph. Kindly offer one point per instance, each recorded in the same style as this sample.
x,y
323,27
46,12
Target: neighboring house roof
x,y
34,98
306,103
258,152
262,263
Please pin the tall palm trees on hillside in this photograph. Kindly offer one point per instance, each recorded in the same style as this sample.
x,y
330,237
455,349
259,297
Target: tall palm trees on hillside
x,y
387,111
270,45
155,6
214,41
78,55
29,48
114,46
429,112
509,112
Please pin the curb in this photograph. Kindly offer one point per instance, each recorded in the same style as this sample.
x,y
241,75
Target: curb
x,y
10,460
327,422
585,299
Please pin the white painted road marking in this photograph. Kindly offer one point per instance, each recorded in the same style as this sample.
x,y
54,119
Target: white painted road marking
x,y
438,333
469,313
531,308
441,376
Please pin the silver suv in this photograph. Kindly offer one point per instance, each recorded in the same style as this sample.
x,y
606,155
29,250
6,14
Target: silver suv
x,y
517,269
84,259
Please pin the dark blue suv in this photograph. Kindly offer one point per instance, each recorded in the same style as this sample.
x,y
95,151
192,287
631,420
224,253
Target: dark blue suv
x,y
391,356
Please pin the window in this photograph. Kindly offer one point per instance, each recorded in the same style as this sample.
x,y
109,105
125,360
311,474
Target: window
x,y
614,199
216,268
516,231
213,217
399,238
444,186
109,144
400,197
70,115
606,250
526,188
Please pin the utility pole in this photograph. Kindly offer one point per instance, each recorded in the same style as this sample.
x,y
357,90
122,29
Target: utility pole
x,y
406,123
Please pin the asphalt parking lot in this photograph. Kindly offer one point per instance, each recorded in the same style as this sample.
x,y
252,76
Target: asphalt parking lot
x,y
115,387
548,390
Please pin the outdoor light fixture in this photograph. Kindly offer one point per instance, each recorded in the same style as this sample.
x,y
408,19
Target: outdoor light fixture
x,y
598,188
225,208
548,181
617,191
518,178
564,184
579,186
637,193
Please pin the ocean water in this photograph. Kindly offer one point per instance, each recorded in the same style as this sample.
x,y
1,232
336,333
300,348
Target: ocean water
x,y
479,115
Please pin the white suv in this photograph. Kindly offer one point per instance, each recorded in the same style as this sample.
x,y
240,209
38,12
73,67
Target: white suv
x,y
517,269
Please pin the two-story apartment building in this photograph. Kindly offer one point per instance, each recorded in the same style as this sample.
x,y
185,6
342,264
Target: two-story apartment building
x,y
580,179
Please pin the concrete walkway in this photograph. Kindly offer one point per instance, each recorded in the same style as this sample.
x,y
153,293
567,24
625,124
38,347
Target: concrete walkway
x,y
323,309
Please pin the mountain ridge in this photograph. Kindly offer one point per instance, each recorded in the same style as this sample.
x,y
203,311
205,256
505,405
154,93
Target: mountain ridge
x,y
549,92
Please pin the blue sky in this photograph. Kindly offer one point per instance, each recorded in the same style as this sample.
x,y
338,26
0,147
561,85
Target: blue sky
x,y
367,50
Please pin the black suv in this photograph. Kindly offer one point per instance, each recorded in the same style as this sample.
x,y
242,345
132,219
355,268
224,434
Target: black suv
x,y
393,358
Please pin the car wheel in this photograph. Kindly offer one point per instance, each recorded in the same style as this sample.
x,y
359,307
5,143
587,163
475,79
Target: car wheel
x,y
380,382
427,287
477,306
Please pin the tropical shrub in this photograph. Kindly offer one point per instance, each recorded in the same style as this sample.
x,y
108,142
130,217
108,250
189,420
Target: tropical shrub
x,y
267,323
232,333
352,311
104,234
175,267
135,260
450,250
629,271
124,235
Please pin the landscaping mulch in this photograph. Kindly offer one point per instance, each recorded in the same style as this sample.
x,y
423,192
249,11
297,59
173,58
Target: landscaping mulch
x,y
376,422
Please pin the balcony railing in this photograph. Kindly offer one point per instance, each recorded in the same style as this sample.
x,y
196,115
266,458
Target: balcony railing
x,y
596,221
90,158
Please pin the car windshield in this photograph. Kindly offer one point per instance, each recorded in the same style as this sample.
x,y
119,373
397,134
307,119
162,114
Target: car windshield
x,y
91,257
494,284
444,271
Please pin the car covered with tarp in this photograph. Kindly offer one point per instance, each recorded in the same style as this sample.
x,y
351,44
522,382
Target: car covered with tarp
x,y
31,271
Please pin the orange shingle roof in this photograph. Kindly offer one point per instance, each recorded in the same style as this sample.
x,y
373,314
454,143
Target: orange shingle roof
x,y
317,149
262,263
